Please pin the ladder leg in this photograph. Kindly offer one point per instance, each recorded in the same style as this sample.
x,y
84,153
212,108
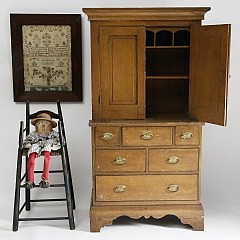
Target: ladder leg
x,y
27,191
17,193
68,193
70,177
66,152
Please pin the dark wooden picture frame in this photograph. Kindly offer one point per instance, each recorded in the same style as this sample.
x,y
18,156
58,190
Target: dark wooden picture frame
x,y
46,49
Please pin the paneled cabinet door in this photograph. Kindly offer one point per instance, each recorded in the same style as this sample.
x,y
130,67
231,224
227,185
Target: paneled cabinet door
x,y
209,73
122,55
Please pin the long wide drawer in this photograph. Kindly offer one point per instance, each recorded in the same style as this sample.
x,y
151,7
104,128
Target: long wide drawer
x,y
173,160
132,160
146,187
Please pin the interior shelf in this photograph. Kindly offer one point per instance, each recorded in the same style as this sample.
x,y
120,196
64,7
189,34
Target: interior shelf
x,y
162,77
166,47
167,61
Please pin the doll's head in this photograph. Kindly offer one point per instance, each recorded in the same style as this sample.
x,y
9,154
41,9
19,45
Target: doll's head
x,y
43,123
43,126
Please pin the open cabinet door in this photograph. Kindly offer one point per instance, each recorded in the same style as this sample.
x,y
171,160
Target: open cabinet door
x,y
209,56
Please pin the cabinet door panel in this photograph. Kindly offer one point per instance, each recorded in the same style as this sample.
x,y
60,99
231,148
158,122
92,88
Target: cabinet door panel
x,y
209,56
122,72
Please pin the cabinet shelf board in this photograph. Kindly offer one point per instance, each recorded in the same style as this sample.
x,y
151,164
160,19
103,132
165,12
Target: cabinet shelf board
x,y
162,77
166,47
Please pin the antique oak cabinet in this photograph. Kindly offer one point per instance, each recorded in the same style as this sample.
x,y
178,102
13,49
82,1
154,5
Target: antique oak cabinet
x,y
157,75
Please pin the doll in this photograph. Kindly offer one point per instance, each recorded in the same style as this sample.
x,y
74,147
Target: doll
x,y
41,142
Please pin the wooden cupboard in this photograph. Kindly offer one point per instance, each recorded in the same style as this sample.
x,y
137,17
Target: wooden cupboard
x,y
157,76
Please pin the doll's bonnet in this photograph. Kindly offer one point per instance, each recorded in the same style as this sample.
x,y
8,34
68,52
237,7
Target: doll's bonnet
x,y
43,116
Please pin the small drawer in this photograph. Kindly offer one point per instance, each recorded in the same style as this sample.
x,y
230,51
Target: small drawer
x,y
107,136
173,160
120,161
187,135
139,136
147,188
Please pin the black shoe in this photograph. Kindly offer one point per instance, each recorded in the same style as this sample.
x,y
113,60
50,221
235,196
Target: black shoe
x,y
29,185
44,184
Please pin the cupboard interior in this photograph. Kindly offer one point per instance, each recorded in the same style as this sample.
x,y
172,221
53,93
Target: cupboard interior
x,y
167,72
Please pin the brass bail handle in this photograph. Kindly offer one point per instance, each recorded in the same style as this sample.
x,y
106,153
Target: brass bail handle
x,y
107,136
172,188
186,135
146,135
172,160
119,160
120,188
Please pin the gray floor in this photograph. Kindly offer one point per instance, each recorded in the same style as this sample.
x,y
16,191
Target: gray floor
x,y
219,224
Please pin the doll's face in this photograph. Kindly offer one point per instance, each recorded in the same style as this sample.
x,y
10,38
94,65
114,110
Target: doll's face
x,y
43,126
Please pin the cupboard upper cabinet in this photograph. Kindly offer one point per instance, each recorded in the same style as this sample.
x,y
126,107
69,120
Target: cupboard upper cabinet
x,y
158,63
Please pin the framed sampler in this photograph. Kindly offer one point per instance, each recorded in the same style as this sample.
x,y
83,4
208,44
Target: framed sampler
x,y
46,57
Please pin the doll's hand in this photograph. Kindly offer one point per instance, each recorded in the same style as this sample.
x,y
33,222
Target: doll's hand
x,y
55,147
27,145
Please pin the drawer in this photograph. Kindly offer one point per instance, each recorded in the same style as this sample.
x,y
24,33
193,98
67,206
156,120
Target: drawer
x,y
146,187
107,136
138,136
187,135
173,160
120,160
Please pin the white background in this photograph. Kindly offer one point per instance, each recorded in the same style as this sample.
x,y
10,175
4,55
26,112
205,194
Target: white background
x,y
221,145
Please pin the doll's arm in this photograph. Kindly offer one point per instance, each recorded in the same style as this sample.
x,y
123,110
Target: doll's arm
x,y
55,140
30,139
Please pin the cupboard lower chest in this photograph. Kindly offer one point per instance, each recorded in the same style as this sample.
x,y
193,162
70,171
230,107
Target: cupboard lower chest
x,y
147,165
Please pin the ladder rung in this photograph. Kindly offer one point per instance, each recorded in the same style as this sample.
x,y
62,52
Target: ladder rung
x,y
42,218
51,185
49,200
23,177
51,171
22,207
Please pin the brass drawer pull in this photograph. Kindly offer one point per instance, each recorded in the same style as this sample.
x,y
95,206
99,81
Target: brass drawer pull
x,y
119,160
172,188
120,188
186,135
172,160
147,135
107,136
